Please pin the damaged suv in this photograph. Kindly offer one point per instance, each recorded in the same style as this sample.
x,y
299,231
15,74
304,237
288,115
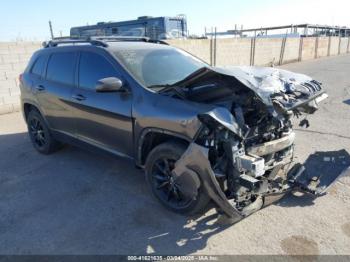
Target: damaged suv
x,y
202,134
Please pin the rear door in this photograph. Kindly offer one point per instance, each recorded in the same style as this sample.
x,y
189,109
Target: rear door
x,y
55,90
102,119
36,77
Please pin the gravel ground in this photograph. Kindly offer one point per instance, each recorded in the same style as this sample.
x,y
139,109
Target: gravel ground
x,y
77,202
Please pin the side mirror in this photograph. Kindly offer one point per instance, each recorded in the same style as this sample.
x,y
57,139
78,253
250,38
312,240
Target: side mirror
x,y
109,84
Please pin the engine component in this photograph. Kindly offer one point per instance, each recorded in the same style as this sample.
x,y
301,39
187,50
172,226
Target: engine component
x,y
249,182
254,166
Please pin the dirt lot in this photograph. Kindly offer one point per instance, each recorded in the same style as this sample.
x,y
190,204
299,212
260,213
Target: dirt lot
x,y
77,202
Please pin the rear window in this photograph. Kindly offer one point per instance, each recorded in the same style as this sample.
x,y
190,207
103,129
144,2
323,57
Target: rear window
x,y
61,68
39,66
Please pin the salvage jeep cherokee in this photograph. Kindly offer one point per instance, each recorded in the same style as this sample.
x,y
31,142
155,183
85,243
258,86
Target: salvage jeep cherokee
x,y
202,134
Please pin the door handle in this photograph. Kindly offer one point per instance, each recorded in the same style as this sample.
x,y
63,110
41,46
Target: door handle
x,y
79,97
40,88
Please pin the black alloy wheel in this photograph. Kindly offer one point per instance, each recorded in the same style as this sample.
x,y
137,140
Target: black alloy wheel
x,y
37,132
159,165
166,185
40,135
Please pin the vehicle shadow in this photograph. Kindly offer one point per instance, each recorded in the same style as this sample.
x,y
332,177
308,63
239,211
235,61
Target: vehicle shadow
x,y
347,102
299,199
326,165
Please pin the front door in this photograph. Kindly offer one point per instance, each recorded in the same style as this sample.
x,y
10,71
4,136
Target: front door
x,y
102,119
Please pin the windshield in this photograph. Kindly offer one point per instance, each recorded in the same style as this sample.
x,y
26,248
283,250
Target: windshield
x,y
159,67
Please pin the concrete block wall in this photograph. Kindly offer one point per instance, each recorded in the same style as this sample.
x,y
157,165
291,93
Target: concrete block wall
x,y
291,50
241,55
14,57
198,47
263,51
308,48
334,46
343,46
322,47
267,51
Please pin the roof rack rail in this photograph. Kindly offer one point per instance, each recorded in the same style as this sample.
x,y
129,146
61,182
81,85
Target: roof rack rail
x,y
98,40
121,38
127,38
54,43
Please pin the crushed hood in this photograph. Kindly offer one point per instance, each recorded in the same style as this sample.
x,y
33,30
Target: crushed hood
x,y
266,81
292,90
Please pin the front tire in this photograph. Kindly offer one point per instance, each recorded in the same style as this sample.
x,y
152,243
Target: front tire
x,y
40,135
160,162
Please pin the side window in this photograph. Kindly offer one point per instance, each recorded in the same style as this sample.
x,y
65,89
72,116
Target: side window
x,y
39,66
61,68
93,67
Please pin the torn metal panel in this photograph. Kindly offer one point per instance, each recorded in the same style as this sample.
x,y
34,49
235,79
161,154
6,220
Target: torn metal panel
x,y
186,178
225,118
195,160
272,198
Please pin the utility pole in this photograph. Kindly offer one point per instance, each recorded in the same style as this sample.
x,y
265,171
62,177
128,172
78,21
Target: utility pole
x,y
51,31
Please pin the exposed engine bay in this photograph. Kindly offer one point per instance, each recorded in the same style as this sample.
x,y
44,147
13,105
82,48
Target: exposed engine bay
x,y
243,153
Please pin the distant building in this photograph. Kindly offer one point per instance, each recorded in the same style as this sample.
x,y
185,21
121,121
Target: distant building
x,y
156,28
299,30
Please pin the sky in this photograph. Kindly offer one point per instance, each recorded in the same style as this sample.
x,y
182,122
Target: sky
x,y
28,20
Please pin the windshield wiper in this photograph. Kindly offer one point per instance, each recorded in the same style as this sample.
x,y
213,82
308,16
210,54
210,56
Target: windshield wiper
x,y
159,86
166,88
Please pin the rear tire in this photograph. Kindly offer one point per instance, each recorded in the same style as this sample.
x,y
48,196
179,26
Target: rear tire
x,y
40,135
159,164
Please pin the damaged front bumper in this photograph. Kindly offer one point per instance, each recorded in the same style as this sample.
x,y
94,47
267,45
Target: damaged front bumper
x,y
194,166
194,162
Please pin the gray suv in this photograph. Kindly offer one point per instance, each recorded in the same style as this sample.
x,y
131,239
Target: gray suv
x,y
202,134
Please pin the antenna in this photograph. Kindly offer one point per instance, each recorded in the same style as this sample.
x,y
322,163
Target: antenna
x,y
50,25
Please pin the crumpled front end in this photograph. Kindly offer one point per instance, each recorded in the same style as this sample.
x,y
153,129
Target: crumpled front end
x,y
238,181
243,154
241,181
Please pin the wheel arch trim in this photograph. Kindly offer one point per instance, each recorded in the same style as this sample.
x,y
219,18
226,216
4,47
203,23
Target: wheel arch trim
x,y
36,106
160,131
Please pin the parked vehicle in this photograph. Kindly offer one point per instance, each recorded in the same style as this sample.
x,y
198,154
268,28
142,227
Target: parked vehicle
x,y
156,28
202,134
